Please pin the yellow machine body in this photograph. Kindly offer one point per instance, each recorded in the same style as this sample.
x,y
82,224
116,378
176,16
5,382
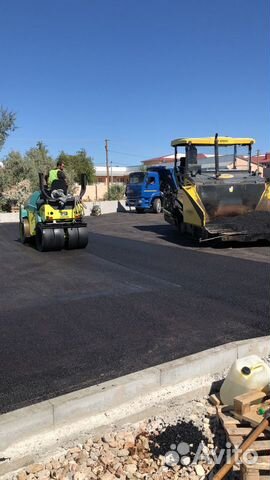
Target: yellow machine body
x,y
54,219
212,203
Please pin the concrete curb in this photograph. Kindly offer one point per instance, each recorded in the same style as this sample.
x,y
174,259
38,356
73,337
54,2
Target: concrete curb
x,y
52,414
107,206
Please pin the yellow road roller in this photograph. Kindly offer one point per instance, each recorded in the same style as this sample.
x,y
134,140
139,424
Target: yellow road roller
x,y
54,218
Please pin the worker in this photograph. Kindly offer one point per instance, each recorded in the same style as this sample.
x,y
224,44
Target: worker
x,y
182,165
60,183
53,174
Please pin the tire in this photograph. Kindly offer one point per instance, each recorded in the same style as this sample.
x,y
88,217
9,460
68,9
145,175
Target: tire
x,y
24,231
157,206
139,210
72,238
83,237
59,238
48,239
76,238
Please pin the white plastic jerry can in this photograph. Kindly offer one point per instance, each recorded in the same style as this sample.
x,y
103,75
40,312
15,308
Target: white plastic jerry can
x,y
245,374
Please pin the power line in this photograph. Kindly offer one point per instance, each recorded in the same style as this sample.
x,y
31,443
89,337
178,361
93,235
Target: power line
x,y
128,154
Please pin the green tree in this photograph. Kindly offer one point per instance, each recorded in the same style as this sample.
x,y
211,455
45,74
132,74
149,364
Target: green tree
x,y
14,183
38,160
19,175
15,170
77,164
7,124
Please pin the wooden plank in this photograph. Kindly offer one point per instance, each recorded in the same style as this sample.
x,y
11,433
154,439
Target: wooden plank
x,y
252,397
215,399
242,418
263,463
258,445
242,431
235,440
224,408
227,419
247,474
252,419
242,403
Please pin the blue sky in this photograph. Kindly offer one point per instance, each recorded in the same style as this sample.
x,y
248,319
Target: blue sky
x,y
139,72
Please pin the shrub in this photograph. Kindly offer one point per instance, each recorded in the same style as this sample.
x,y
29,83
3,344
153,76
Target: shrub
x,y
116,192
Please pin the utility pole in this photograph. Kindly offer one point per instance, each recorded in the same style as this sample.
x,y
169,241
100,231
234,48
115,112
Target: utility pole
x,y
107,164
111,173
258,156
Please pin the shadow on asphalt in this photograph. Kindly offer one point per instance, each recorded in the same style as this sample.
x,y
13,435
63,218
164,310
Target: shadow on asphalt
x,y
29,244
168,233
171,235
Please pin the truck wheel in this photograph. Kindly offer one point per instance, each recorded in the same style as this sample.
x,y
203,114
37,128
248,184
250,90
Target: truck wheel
x,y
140,210
157,207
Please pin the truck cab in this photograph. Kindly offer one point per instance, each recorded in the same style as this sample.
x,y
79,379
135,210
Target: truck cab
x,y
145,190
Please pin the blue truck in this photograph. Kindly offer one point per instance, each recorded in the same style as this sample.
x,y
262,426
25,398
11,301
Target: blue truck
x,y
145,190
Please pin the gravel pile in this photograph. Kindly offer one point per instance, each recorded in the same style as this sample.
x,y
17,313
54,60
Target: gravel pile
x,y
179,443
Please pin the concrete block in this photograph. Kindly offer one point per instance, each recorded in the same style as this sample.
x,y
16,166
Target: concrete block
x,y
15,463
203,363
256,346
106,206
99,398
155,410
16,426
6,217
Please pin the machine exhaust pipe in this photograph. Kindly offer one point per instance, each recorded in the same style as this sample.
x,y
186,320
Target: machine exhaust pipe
x,y
216,156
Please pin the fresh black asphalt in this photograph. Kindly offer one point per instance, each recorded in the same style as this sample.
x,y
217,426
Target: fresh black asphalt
x,y
137,296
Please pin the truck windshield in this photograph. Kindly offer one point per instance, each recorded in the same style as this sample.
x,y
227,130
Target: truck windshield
x,y
137,177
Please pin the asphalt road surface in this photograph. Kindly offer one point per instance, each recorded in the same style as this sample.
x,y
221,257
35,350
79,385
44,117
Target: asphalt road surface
x,y
139,295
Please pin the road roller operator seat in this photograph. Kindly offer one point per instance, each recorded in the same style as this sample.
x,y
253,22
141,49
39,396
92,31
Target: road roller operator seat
x,y
53,197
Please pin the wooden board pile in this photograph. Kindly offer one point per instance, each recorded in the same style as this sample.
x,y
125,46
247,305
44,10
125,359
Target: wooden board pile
x,y
238,422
